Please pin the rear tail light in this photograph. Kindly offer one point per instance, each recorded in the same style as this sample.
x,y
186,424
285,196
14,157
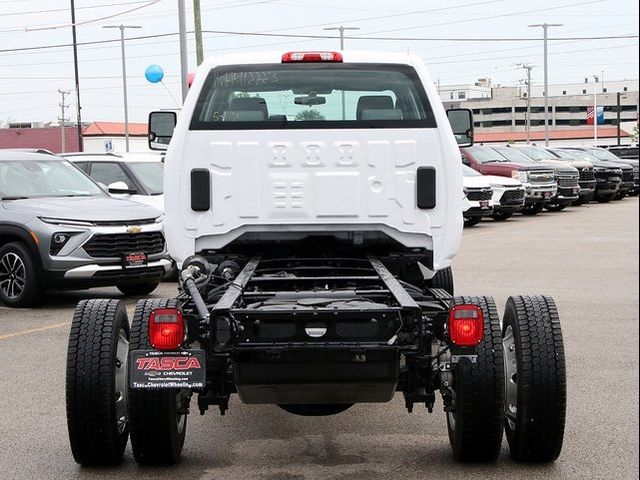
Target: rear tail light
x,y
466,325
310,57
166,329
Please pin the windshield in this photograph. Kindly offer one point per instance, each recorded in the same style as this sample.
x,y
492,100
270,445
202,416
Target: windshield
x,y
469,172
584,155
150,175
536,153
485,154
49,178
513,155
565,155
601,154
312,95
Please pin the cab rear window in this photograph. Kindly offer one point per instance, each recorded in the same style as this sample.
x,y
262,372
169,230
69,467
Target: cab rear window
x,y
312,96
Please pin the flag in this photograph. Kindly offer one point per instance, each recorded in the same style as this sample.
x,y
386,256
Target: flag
x,y
590,115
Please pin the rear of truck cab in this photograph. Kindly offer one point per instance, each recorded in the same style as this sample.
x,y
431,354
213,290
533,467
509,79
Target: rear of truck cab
x,y
355,146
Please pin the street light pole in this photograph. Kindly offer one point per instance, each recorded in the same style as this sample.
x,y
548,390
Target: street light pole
x,y
184,64
618,108
122,28
545,27
342,29
595,110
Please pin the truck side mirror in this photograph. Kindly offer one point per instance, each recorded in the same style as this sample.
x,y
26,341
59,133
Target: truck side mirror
x,y
461,120
161,126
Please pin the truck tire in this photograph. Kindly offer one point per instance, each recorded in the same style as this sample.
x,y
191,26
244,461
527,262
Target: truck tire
x,y
316,410
533,209
557,207
535,398
501,216
96,382
19,280
621,195
606,198
138,289
476,423
443,279
471,221
157,418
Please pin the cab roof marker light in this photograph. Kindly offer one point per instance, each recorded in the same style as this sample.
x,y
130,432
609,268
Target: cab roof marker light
x,y
312,57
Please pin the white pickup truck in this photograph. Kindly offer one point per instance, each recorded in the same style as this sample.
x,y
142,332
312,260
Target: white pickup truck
x,y
313,202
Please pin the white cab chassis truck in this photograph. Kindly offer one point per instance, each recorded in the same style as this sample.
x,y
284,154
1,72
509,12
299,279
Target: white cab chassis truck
x,y
313,202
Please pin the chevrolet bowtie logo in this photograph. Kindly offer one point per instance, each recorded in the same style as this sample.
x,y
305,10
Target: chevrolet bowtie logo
x,y
134,230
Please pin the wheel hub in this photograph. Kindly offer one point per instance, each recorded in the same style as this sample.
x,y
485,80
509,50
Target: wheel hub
x,y
511,377
122,354
12,275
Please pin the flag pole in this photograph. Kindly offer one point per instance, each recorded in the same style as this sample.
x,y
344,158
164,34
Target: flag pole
x,y
595,111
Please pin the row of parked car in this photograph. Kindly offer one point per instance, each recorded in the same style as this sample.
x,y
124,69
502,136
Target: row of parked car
x,y
502,180
90,220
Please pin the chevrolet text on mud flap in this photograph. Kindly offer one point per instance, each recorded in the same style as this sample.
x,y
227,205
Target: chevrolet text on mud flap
x,y
314,207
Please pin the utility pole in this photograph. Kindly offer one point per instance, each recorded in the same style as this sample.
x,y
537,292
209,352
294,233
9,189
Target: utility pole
x,y
545,27
122,28
62,118
197,23
184,63
528,69
77,76
342,29
595,110
618,117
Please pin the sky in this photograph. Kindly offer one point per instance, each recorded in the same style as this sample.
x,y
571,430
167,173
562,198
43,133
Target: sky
x,y
30,79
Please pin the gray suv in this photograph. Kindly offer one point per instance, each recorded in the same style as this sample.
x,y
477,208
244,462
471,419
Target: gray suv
x,y
59,229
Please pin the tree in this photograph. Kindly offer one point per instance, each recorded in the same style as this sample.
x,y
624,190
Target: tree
x,y
634,134
309,115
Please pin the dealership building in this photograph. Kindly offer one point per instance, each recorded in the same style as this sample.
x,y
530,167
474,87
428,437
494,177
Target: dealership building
x,y
503,110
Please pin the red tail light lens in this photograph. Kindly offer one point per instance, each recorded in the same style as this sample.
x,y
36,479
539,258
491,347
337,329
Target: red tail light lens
x,y
466,325
310,57
166,329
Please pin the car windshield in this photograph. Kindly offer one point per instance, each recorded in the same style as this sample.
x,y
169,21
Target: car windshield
x,y
513,155
485,154
48,178
150,175
602,154
536,153
584,155
312,96
565,155
470,172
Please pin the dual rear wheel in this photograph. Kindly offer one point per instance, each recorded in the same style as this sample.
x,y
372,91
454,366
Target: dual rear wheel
x,y
102,412
517,382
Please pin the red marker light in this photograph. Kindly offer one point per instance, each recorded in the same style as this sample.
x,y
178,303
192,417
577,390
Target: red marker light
x,y
466,325
311,57
166,329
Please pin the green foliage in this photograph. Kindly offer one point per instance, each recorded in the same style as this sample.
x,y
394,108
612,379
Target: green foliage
x,y
307,115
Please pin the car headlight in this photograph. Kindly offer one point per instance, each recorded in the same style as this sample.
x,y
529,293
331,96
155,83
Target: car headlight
x,y
160,219
520,175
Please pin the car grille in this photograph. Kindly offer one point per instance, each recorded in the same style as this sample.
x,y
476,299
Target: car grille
x,y
567,181
513,196
117,245
587,175
478,195
627,176
137,275
541,176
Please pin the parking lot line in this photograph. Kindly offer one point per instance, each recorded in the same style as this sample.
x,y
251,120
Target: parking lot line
x,y
34,330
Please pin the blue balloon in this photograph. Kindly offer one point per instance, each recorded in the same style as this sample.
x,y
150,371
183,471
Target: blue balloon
x,y
154,73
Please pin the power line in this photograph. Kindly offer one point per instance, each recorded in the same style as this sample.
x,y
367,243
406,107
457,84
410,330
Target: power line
x,y
53,10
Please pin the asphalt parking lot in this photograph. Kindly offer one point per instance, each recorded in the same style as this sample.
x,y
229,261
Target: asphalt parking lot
x,y
587,258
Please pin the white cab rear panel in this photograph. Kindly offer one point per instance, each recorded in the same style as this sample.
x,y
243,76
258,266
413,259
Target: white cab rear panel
x,y
283,184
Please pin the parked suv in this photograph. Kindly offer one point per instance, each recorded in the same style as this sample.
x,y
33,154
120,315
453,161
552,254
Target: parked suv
x,y
538,181
628,152
588,180
565,176
134,176
587,176
59,229
477,197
